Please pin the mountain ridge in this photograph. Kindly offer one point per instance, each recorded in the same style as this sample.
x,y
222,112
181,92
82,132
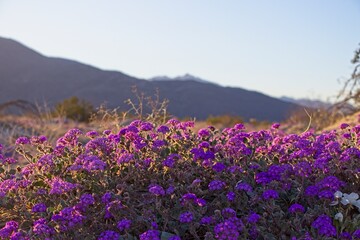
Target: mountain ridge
x,y
28,75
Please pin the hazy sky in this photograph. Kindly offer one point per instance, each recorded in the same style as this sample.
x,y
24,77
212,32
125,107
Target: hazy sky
x,y
285,47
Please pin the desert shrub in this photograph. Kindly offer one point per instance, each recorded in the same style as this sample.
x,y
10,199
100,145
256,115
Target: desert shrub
x,y
350,93
224,120
317,119
148,181
75,109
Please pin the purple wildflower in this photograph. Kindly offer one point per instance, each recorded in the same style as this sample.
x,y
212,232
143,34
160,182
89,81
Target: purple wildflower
x,y
216,185
324,226
243,186
46,162
170,190
88,163
125,158
189,196
200,202
40,207
10,160
59,186
107,132
8,229
228,213
41,191
204,132
87,199
150,235
345,236
218,167
146,126
106,198
327,194
18,236
109,235
157,190
186,217
226,231
253,218
22,141
239,126
158,143
296,208
41,228
168,162
275,126
163,129
124,224
92,134
356,234
270,194
207,220
174,238
311,191
230,196
111,207
38,140
173,122
68,218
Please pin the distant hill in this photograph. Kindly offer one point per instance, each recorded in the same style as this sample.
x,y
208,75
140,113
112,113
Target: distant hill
x,y
186,77
31,76
306,102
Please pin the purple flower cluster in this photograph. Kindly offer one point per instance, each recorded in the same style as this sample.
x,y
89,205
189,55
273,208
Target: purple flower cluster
x,y
216,185
268,194
22,141
125,158
41,228
109,235
150,235
124,225
253,218
186,217
59,186
92,134
296,208
70,138
37,140
9,228
228,213
40,207
68,218
157,190
117,185
106,198
226,230
243,186
324,226
88,163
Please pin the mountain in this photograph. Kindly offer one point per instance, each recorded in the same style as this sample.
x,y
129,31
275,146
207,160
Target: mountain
x,y
306,102
186,77
31,76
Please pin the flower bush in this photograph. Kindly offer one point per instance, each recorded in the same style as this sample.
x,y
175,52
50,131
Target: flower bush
x,y
169,182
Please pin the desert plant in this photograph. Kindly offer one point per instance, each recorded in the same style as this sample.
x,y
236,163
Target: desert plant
x,y
224,120
150,181
350,93
75,109
149,108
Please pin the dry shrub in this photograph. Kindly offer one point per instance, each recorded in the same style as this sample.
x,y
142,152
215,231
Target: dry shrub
x,y
316,119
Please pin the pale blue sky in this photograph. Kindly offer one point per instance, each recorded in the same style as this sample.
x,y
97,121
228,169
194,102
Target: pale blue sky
x,y
279,47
